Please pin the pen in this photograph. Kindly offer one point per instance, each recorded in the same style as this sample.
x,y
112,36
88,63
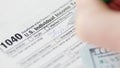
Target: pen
x,y
113,4
107,1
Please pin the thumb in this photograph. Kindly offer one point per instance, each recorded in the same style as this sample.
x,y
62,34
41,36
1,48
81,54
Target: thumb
x,y
96,24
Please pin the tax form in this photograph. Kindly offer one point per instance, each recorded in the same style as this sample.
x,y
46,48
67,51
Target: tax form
x,y
38,34
96,57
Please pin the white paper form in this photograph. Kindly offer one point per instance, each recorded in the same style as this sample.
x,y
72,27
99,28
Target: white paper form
x,y
38,34
96,57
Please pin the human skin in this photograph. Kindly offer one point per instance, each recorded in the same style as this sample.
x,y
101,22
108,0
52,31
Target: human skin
x,y
97,24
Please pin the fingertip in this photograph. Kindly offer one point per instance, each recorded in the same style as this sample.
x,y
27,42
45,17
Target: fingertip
x,y
91,4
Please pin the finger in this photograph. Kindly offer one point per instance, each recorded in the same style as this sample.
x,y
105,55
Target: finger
x,y
91,5
94,27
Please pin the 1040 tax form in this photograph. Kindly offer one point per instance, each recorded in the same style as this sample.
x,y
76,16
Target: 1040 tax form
x,y
38,34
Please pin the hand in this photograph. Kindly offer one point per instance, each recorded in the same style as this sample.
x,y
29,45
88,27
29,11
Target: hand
x,y
97,24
